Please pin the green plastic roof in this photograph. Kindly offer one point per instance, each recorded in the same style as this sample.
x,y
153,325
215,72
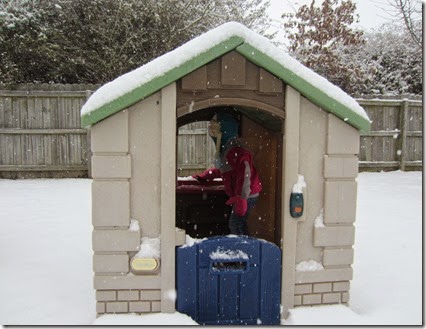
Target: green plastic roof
x,y
145,81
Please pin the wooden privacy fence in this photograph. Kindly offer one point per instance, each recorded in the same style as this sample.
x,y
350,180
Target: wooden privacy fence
x,y
395,140
40,134
195,149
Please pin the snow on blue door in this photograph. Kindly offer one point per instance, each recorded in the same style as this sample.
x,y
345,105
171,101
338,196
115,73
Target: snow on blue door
x,y
229,280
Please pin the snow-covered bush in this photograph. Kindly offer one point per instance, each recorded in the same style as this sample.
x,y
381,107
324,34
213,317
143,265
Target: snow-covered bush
x,y
94,41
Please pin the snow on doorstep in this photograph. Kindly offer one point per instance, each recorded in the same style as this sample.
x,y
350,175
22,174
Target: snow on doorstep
x,y
173,59
309,266
297,188
149,248
228,254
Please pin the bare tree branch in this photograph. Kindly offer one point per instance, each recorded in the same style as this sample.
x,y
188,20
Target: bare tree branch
x,y
410,13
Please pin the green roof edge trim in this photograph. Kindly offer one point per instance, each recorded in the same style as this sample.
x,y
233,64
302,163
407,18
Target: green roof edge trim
x,y
250,52
160,82
304,87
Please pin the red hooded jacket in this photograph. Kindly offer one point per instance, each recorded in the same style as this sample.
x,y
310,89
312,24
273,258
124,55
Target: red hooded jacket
x,y
237,171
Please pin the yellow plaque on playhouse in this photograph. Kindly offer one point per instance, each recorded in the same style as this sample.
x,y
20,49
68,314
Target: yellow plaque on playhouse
x,y
144,264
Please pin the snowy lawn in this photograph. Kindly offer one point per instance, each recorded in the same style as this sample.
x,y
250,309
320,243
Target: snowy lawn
x,y
46,258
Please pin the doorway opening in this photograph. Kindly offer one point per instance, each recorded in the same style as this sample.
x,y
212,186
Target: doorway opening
x,y
200,208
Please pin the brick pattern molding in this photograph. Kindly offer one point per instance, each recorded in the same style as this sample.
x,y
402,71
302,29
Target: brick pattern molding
x,y
128,301
321,293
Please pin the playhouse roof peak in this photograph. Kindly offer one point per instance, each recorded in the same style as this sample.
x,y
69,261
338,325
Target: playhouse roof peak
x,y
142,82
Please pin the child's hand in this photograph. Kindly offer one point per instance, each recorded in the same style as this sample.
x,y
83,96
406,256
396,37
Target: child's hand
x,y
240,205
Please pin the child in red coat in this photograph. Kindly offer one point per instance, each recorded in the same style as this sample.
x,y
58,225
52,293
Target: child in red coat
x,y
234,164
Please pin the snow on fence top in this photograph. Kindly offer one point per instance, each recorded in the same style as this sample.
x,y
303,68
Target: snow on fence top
x,y
142,82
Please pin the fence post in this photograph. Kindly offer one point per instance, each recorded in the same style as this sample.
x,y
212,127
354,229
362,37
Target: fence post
x,y
403,120
206,149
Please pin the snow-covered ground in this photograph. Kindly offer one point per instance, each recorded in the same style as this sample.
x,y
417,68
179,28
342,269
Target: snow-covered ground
x,y
46,257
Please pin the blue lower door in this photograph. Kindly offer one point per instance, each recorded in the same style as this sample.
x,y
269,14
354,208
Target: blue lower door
x,y
229,280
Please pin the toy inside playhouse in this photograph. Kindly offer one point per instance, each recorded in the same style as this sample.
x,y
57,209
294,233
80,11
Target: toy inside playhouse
x,y
200,206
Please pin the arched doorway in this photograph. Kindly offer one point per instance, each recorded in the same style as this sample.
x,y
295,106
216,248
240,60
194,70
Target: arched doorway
x,y
261,132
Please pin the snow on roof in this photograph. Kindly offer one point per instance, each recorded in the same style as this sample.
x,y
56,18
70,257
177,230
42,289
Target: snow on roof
x,y
140,83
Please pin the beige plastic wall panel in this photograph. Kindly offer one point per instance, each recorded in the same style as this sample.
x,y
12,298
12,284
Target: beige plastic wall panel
x,y
128,295
139,307
106,295
110,203
313,127
334,236
322,287
301,289
327,275
341,286
331,298
111,263
117,307
340,167
345,297
145,149
233,69
111,166
126,282
168,195
297,300
340,202
290,174
115,240
196,81
100,308
313,299
151,295
338,257
111,135
180,236
155,306
269,83
342,138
